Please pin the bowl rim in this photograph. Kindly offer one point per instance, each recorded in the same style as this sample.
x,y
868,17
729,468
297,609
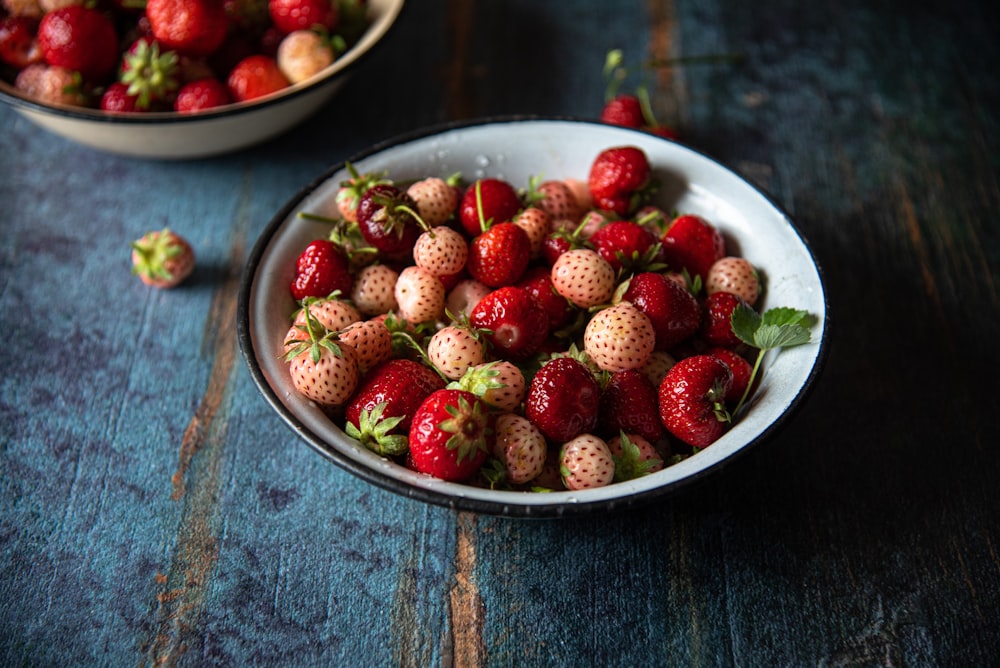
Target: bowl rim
x,y
481,506
370,40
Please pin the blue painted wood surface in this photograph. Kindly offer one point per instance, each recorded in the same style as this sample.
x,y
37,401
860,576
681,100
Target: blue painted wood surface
x,y
153,510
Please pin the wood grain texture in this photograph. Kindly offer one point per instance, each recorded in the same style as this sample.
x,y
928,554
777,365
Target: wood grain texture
x,y
153,510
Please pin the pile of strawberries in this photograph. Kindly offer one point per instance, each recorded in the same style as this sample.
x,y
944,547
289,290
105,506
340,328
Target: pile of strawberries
x,y
169,55
564,335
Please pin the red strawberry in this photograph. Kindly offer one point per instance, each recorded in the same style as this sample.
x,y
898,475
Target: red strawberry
x,y
583,277
624,243
321,269
624,110
520,447
618,178
563,399
387,221
692,243
692,399
516,324
80,39
717,319
400,386
151,72
255,76
619,337
201,94
291,15
736,275
191,27
630,403
18,45
486,202
586,462
451,435
116,98
162,259
673,311
538,281
742,372
499,256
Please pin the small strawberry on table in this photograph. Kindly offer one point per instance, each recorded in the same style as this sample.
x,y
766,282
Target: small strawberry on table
x,y
162,259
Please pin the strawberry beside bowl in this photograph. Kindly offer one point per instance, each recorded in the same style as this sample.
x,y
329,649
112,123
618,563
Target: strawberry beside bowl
x,y
516,149
169,135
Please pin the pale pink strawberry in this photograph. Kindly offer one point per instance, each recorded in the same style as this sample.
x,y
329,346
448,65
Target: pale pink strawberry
x,y
559,200
51,84
321,368
537,224
520,447
371,340
634,456
657,366
619,337
501,384
420,295
583,277
436,199
333,313
465,295
454,349
586,462
441,251
374,290
736,275
581,191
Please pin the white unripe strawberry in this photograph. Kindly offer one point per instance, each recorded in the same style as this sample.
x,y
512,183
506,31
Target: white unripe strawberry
x,y
303,53
586,462
334,314
327,376
735,275
371,340
465,295
537,224
638,458
583,277
500,383
419,295
454,349
619,338
520,447
441,251
374,291
657,366
436,200
559,201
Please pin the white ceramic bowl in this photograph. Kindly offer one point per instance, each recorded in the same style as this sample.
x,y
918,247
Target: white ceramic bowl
x,y
168,135
515,149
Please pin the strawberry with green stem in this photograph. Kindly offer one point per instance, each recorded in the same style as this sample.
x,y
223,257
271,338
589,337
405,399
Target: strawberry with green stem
x,y
162,259
321,368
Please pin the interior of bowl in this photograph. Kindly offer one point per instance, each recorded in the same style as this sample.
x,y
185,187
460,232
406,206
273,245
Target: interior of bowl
x,y
382,14
516,149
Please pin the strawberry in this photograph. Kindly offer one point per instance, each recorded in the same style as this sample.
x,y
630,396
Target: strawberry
x,y
352,189
673,311
624,110
742,371
200,95
736,275
371,340
520,447
116,98
51,84
451,435
441,251
454,349
18,45
291,15
634,456
499,256
398,385
419,295
321,369
386,217
374,290
436,200
462,298
255,76
692,399
486,202
303,53
692,244
619,179
558,200
564,236
332,312
619,337
162,259
513,321
536,223
321,268
717,319
629,402
563,399
657,366
190,27
625,244
499,383
538,281
586,462
80,39
583,277
151,72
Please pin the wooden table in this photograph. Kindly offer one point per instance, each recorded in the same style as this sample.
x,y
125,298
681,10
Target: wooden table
x,y
154,510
